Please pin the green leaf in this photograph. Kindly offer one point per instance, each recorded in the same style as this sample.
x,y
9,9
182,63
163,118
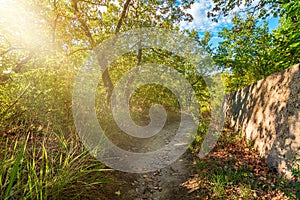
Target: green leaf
x,y
15,169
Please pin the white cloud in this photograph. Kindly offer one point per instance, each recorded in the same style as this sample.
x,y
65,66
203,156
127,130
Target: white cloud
x,y
201,22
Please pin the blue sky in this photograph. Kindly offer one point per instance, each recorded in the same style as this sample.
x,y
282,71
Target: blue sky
x,y
201,23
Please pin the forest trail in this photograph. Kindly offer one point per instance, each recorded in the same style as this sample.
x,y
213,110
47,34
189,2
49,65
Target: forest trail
x,y
166,183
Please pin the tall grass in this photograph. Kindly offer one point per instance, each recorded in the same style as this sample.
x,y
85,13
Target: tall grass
x,y
47,166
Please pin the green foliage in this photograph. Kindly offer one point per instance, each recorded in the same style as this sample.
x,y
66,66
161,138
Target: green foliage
x,y
38,89
15,169
261,8
296,176
219,180
38,97
36,170
41,157
36,83
287,37
245,52
249,51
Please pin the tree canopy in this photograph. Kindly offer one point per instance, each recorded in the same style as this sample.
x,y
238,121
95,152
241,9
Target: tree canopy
x,y
249,50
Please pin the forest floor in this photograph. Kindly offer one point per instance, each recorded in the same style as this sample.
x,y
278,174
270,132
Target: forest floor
x,y
232,170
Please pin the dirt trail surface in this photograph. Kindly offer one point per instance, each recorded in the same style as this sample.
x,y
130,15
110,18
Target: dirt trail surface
x,y
166,183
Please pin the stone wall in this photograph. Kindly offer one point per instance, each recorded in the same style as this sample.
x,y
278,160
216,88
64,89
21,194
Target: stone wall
x,y
268,113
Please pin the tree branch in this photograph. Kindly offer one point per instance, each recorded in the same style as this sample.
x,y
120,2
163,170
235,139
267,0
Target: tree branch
x,y
77,50
160,53
19,66
84,26
16,100
7,51
123,14
55,22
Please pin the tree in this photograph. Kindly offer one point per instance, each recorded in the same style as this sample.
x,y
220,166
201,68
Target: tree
x,y
286,50
72,29
244,53
120,16
249,52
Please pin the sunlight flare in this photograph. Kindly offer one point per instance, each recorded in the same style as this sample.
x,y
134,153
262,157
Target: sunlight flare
x,y
21,26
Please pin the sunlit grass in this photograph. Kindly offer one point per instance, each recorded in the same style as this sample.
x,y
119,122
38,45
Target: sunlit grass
x,y
52,167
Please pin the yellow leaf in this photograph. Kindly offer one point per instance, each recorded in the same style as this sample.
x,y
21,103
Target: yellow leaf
x,y
118,193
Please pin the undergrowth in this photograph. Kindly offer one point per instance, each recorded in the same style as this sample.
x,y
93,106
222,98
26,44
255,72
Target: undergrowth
x,y
46,165
234,170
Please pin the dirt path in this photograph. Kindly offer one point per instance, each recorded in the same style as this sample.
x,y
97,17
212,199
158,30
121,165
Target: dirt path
x,y
159,185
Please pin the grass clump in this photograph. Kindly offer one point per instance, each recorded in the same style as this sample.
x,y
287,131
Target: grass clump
x,y
47,166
